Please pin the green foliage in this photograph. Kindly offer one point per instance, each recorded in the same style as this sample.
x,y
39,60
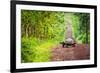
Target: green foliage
x,y
43,52
81,27
41,24
27,51
34,50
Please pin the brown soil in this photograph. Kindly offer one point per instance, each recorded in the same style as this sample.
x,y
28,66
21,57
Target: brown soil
x,y
79,52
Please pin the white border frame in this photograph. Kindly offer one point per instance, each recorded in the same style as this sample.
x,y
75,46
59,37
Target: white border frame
x,y
20,65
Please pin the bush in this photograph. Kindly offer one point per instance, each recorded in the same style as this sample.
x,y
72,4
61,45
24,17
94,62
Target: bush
x,y
28,49
35,50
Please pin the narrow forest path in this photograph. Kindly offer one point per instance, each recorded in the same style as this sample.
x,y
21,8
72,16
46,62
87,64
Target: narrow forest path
x,y
79,52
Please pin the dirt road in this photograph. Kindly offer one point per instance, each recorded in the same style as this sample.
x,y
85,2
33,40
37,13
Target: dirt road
x,y
79,52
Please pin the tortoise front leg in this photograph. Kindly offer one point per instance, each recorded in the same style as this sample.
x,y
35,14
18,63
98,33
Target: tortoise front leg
x,y
63,45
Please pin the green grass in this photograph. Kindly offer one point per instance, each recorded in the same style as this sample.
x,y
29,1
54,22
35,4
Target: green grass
x,y
35,50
